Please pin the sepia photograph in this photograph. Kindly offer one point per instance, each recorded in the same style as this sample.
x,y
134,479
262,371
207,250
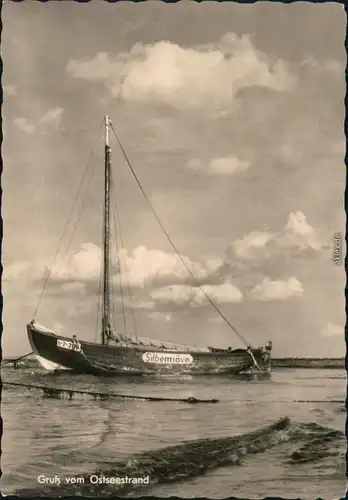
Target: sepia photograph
x,y
173,249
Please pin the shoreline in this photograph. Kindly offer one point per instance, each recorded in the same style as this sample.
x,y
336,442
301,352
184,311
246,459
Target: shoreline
x,y
308,363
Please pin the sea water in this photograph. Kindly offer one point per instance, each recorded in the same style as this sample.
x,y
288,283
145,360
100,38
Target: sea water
x,y
48,438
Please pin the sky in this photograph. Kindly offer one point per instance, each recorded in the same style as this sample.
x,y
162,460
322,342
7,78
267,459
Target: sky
x,y
232,117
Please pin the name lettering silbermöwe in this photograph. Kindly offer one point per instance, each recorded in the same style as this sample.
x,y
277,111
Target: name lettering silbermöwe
x,y
169,359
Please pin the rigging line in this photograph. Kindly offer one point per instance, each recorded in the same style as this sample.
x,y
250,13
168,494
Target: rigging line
x,y
7,361
102,270
174,246
49,270
118,222
111,318
117,250
113,294
113,290
99,301
78,219
116,211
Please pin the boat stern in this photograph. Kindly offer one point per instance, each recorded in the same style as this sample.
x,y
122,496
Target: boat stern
x,y
262,358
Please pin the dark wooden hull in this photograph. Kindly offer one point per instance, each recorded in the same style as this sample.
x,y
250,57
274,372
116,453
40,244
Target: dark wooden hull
x,y
58,353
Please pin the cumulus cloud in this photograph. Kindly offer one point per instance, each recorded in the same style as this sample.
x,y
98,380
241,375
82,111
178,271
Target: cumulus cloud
x,y
277,290
332,66
200,77
228,165
297,235
23,271
160,316
332,330
224,293
185,295
82,266
14,270
65,275
145,266
250,245
24,125
49,122
10,90
143,269
76,288
158,278
140,268
52,118
140,304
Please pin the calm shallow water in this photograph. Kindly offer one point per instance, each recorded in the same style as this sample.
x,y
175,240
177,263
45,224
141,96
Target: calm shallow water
x,y
52,436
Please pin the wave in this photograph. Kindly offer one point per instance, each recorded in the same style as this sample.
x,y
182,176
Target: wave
x,y
195,458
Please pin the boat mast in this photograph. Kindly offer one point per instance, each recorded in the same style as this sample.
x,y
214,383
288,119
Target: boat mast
x,y
106,237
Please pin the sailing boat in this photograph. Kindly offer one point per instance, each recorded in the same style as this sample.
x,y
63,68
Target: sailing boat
x,y
117,354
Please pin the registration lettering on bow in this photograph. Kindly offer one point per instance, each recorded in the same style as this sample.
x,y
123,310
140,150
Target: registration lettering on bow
x,y
67,344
